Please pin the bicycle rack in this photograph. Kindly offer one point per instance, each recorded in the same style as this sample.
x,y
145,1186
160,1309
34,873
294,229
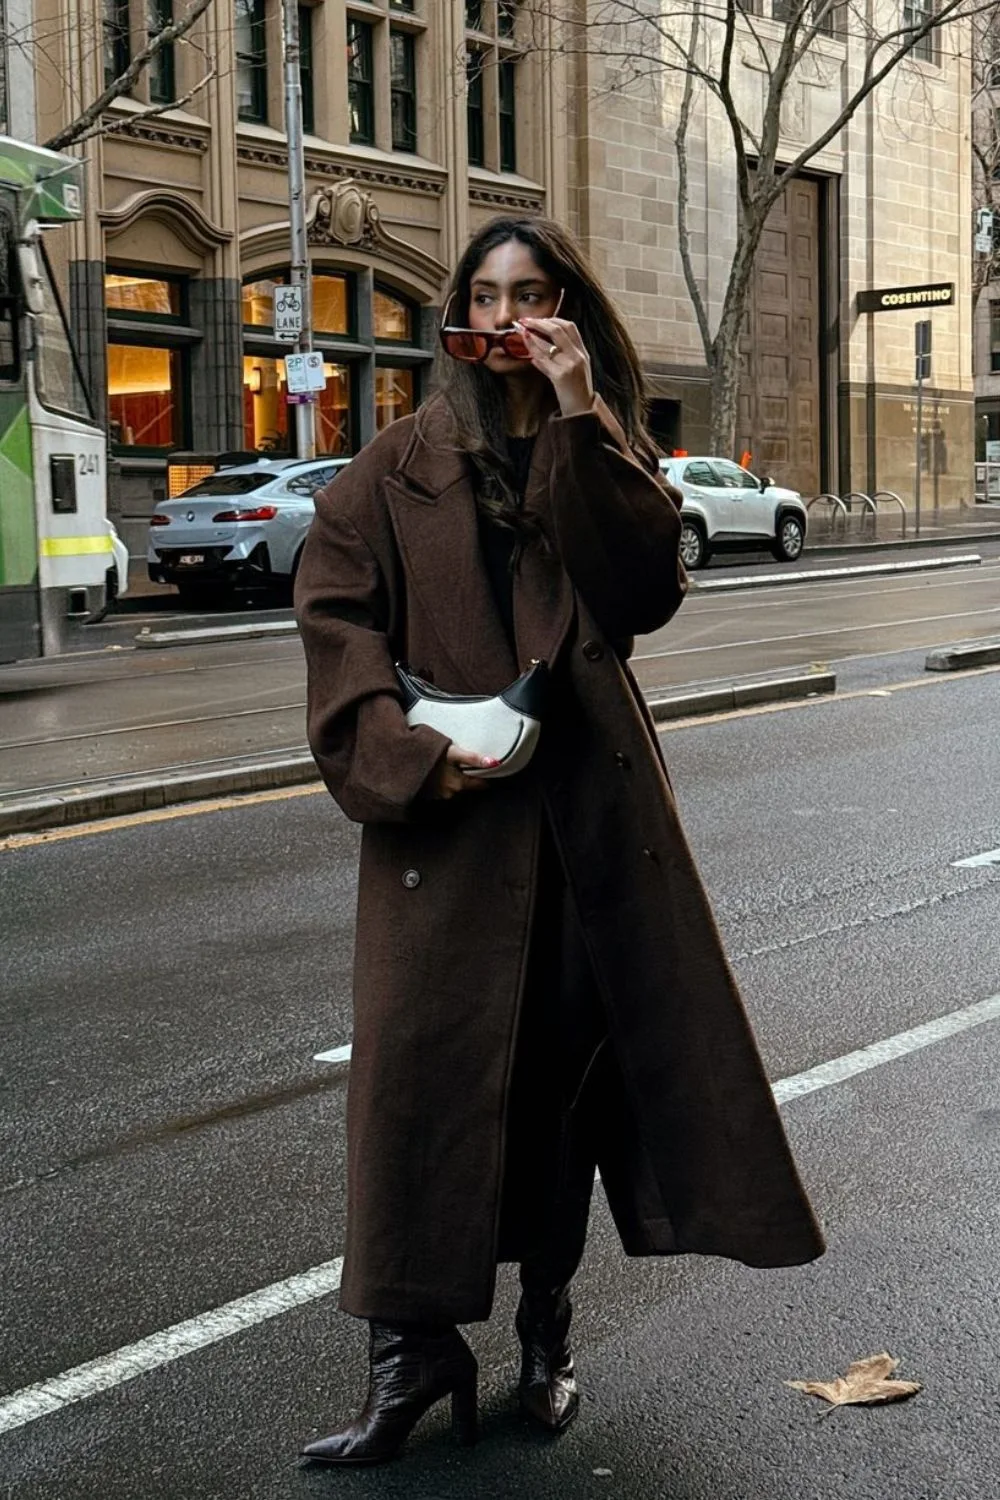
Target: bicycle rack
x,y
891,495
837,506
870,508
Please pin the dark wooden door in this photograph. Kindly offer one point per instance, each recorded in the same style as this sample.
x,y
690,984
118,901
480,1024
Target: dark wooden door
x,y
779,409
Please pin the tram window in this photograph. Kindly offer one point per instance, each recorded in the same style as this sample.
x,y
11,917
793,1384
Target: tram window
x,y
59,384
10,361
10,353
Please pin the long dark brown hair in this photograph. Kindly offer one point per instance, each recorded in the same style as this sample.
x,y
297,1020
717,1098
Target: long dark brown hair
x,y
475,395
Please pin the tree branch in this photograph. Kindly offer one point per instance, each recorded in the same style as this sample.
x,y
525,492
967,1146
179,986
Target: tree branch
x,y
80,128
108,127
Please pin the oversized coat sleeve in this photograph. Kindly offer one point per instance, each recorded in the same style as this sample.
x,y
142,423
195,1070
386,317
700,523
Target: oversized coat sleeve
x,y
372,761
617,527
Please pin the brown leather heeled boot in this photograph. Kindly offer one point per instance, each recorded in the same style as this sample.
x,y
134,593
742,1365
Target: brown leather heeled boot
x,y
410,1369
547,1388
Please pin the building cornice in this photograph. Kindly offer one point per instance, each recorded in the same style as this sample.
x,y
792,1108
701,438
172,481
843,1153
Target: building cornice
x,y
409,180
174,137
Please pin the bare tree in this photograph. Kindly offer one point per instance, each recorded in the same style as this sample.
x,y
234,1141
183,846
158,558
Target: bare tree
x,y
986,145
47,51
704,47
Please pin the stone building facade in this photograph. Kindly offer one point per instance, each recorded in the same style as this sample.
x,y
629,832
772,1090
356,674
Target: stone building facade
x,y
424,118
827,391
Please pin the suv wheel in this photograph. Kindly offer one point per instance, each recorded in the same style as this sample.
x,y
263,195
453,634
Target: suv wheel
x,y
694,547
790,539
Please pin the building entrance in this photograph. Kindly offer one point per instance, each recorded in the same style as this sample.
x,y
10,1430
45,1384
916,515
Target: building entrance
x,y
780,386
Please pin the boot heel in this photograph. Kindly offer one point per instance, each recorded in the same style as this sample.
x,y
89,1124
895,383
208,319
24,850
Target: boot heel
x,y
464,1412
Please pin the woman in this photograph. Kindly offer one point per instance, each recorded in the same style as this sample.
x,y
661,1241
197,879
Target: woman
x,y
539,985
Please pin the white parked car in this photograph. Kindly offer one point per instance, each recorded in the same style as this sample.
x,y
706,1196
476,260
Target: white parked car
x,y
243,525
728,509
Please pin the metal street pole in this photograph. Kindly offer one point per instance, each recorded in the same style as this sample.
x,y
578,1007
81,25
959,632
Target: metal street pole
x,y
305,413
922,354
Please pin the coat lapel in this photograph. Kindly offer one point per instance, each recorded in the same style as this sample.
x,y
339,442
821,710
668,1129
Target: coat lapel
x,y
434,516
433,508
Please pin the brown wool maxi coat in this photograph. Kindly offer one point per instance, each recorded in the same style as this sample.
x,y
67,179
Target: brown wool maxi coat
x,y
692,1152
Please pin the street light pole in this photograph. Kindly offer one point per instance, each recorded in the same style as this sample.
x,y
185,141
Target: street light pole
x,y
305,412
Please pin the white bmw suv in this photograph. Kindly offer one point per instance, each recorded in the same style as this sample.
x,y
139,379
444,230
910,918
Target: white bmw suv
x,y
728,509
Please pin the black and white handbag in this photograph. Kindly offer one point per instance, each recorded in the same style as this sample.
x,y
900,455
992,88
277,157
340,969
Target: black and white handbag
x,y
505,727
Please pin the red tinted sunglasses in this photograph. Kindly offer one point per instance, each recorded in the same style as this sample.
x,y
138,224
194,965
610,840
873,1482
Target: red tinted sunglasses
x,y
475,344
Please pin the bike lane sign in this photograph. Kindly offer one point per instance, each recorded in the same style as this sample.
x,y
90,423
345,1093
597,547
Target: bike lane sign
x,y
287,313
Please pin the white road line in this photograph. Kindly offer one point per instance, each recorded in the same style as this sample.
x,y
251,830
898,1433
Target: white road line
x,y
842,1068
821,633
171,1343
111,1370
977,861
708,606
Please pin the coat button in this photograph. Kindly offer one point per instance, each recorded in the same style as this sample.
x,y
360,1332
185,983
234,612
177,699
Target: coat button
x,y
622,761
411,879
593,650
651,854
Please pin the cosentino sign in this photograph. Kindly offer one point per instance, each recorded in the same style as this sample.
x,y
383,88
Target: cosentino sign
x,y
940,294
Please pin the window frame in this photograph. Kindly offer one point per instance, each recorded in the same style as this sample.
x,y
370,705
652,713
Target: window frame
x,y
161,67
475,108
913,12
254,61
507,116
116,36
994,335
170,332
405,91
164,320
361,90
381,341
307,77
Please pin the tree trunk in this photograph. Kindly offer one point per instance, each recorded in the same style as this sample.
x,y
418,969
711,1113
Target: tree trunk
x,y
724,364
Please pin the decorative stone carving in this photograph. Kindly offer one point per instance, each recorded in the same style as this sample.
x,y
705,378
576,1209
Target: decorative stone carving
x,y
192,227
343,216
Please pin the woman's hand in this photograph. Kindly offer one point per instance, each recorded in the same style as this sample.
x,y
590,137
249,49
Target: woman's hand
x,y
557,350
449,780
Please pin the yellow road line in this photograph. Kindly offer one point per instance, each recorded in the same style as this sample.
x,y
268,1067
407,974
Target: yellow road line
x,y
156,815
281,794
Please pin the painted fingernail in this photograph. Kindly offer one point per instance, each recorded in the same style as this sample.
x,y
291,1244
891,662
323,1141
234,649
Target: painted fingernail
x,y
489,762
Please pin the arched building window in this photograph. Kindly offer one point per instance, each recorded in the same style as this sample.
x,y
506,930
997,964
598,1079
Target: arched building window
x,y
369,335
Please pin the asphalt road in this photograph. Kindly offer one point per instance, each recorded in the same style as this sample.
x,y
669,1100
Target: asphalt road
x,y
168,1143
125,712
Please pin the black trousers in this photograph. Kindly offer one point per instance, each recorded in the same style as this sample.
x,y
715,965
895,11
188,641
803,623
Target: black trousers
x,y
551,1137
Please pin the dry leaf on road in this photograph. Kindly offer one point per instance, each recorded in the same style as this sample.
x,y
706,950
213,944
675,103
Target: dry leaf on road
x,y
866,1382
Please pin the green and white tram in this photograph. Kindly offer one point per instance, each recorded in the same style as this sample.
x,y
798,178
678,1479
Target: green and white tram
x,y
56,547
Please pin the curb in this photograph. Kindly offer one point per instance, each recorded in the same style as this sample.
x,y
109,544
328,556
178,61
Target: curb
x,y
725,696
34,814
146,794
963,654
949,539
811,575
211,635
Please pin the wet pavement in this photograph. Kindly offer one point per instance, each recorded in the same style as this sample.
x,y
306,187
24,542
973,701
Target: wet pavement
x,y
117,711
169,1144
